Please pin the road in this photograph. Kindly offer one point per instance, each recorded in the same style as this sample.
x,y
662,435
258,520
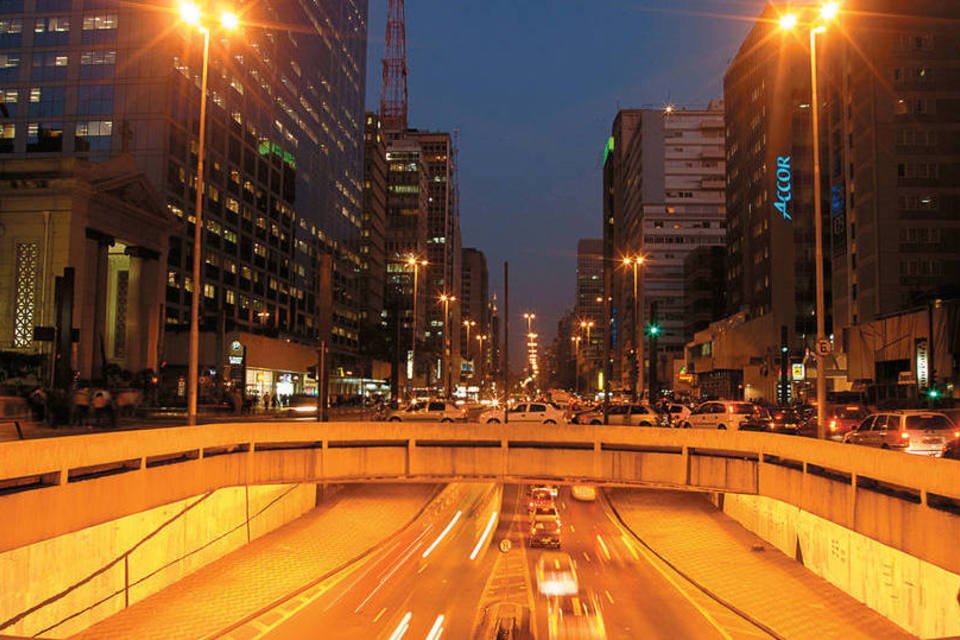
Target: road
x,y
424,584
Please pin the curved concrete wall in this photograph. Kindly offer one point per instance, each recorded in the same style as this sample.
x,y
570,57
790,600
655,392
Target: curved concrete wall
x,y
906,502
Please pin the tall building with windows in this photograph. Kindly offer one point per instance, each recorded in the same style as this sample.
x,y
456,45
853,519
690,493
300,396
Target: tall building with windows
x,y
474,294
373,269
667,200
590,308
890,86
282,185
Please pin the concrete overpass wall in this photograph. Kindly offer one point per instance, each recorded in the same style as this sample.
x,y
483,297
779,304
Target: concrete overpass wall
x,y
921,597
905,502
59,586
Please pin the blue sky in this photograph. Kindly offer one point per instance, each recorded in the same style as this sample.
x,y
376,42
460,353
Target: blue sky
x,y
533,87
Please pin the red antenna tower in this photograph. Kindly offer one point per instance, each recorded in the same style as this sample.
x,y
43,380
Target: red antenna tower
x,y
393,87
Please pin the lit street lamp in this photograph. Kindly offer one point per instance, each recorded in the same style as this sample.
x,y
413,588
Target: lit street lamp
x,y
576,341
446,300
480,339
635,262
467,324
828,12
416,263
193,16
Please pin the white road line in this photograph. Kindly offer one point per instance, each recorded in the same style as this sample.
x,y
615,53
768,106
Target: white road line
x,y
379,615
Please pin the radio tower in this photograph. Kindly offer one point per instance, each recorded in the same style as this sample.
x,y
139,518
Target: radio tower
x,y
393,87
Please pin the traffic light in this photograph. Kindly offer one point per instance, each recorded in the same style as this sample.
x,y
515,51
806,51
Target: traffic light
x,y
933,393
653,330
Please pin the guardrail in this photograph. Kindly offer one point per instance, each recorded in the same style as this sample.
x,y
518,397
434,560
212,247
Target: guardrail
x,y
908,502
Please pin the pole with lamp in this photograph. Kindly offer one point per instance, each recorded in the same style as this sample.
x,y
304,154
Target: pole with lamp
x,y
585,326
193,16
468,324
447,379
576,374
635,262
828,12
416,263
480,339
529,317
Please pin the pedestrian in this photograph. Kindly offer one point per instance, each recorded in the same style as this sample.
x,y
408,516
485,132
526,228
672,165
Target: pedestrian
x,y
273,402
80,406
266,401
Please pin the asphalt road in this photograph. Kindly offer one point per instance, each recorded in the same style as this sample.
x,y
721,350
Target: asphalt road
x,y
424,584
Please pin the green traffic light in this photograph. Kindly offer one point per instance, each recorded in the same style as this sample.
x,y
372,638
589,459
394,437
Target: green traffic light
x,y
653,330
933,394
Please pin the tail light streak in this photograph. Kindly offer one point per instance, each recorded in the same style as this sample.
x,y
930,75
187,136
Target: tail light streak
x,y
437,629
442,535
402,627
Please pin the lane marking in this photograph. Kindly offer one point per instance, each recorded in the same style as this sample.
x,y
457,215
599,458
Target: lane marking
x,y
436,629
483,538
402,627
609,597
572,530
603,547
586,556
442,535
379,615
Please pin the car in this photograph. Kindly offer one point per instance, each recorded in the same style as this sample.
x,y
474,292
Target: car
x,y
952,450
431,411
726,415
544,510
584,492
577,617
785,420
843,418
620,414
673,415
542,412
301,405
540,497
912,431
544,532
557,574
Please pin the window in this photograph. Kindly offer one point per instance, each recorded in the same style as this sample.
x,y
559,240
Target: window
x,y
95,100
209,291
9,66
8,103
94,135
25,296
51,30
10,30
7,134
99,27
44,137
97,64
49,65
47,101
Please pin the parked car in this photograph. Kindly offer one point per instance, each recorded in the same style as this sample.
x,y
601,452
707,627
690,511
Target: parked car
x,y
542,412
673,415
432,411
620,414
913,431
721,414
842,419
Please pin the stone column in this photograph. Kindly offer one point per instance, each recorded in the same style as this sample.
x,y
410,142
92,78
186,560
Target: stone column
x,y
93,305
142,309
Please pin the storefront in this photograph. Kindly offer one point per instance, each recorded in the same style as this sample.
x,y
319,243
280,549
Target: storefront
x,y
269,366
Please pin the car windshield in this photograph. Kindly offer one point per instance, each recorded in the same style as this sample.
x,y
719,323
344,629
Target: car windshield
x,y
925,422
548,525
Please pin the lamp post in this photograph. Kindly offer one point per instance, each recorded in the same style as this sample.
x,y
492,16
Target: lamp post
x,y
416,263
576,342
585,326
529,317
480,339
193,16
635,262
467,324
828,12
446,300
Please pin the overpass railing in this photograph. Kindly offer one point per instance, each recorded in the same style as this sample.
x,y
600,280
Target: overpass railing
x,y
908,502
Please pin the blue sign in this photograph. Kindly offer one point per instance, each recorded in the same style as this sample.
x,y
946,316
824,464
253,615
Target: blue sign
x,y
784,187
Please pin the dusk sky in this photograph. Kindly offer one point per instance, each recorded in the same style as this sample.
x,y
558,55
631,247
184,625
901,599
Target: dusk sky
x,y
533,88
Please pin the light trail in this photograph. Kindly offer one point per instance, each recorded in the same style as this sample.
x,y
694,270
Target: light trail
x,y
437,629
603,547
483,538
402,627
442,535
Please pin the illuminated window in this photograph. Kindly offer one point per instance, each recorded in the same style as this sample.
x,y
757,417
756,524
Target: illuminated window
x,y
25,296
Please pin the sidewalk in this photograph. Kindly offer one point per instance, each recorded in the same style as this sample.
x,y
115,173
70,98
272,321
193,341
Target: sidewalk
x,y
270,567
716,552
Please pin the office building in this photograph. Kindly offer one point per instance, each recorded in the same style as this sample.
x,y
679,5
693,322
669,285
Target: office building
x,y
474,296
704,292
282,185
590,308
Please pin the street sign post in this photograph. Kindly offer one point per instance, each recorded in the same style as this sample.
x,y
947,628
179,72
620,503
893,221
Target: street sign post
x,y
823,347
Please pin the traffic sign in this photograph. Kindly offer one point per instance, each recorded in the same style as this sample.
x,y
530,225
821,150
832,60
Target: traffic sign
x,y
824,347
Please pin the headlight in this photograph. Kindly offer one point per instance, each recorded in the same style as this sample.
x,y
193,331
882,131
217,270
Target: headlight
x,y
304,409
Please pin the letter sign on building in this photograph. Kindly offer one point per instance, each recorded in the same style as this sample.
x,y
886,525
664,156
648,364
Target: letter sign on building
x,y
922,349
784,187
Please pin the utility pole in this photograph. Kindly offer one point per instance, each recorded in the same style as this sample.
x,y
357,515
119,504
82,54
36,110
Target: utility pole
x,y
506,339
784,366
654,331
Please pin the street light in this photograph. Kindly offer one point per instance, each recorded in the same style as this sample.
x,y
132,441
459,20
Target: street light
x,y
585,326
193,16
480,339
828,12
576,341
416,263
635,262
467,325
446,300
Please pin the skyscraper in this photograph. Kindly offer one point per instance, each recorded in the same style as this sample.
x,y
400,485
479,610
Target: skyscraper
x,y
590,308
474,296
284,133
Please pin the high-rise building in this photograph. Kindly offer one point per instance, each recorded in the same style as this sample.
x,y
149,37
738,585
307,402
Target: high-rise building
x,y
770,221
283,157
667,179
590,308
373,268
889,83
474,296
704,280
443,245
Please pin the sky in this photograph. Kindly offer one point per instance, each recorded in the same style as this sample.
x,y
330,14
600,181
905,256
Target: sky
x,y
533,87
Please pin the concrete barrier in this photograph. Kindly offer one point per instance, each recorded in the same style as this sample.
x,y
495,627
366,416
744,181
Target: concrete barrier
x,y
902,501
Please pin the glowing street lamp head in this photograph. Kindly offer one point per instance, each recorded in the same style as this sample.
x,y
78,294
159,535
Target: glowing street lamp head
x,y
788,21
829,10
190,12
229,20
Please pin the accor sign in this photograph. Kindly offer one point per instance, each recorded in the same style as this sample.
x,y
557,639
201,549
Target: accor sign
x,y
784,187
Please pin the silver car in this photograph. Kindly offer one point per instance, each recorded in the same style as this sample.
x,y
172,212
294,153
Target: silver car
x,y
621,414
915,431
432,411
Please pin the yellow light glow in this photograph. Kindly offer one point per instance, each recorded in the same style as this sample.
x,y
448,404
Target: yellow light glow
x,y
788,21
829,10
229,20
190,13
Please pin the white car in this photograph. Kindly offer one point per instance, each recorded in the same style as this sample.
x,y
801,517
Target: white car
x,y
621,414
725,415
584,492
432,411
542,412
557,574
